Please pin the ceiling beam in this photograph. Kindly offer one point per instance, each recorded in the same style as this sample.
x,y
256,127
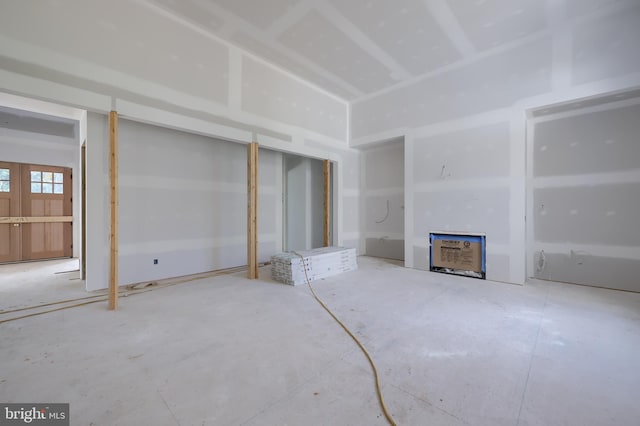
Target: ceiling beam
x,y
266,38
449,24
398,72
287,20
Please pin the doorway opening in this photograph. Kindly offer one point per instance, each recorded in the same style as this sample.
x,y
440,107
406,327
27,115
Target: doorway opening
x,y
40,201
303,203
583,191
382,217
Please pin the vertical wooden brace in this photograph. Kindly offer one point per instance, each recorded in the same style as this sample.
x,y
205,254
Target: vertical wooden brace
x,y
252,209
113,233
327,203
84,210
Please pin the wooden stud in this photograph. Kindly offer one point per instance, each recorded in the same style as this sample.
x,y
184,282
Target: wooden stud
x,y
68,212
327,203
113,179
252,210
255,209
36,219
83,163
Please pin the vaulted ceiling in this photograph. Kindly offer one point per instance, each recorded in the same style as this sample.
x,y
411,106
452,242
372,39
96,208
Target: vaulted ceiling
x,y
354,48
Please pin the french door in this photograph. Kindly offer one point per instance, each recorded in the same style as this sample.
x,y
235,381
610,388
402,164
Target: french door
x,y
35,212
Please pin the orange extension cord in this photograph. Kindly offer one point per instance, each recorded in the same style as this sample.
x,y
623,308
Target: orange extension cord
x,y
355,339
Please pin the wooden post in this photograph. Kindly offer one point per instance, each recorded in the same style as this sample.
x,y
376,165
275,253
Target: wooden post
x,y
113,183
327,203
252,209
83,163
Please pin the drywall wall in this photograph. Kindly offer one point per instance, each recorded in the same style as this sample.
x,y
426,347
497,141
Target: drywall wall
x,y
465,128
606,47
348,172
383,200
269,93
303,203
461,183
183,202
97,152
586,196
36,148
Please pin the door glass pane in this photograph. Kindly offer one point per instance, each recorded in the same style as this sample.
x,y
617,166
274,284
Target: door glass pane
x,y
57,188
47,188
36,177
57,177
5,180
47,177
36,187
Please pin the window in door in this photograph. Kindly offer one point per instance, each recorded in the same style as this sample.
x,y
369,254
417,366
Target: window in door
x,y
47,182
5,180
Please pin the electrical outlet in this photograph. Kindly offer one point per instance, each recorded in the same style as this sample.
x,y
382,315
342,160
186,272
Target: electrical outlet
x,y
155,261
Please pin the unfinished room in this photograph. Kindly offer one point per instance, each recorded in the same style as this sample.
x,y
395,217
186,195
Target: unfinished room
x,y
320,212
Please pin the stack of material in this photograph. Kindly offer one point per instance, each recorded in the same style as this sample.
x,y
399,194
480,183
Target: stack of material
x,y
320,263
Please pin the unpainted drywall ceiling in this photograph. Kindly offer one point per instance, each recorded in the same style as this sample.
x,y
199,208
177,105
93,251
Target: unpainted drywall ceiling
x,y
357,48
493,82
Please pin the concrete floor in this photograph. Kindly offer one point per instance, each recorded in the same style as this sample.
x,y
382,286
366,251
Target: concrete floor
x,y
229,351
37,283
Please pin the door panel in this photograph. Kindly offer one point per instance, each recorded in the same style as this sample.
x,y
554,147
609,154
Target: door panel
x,y
46,191
9,206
